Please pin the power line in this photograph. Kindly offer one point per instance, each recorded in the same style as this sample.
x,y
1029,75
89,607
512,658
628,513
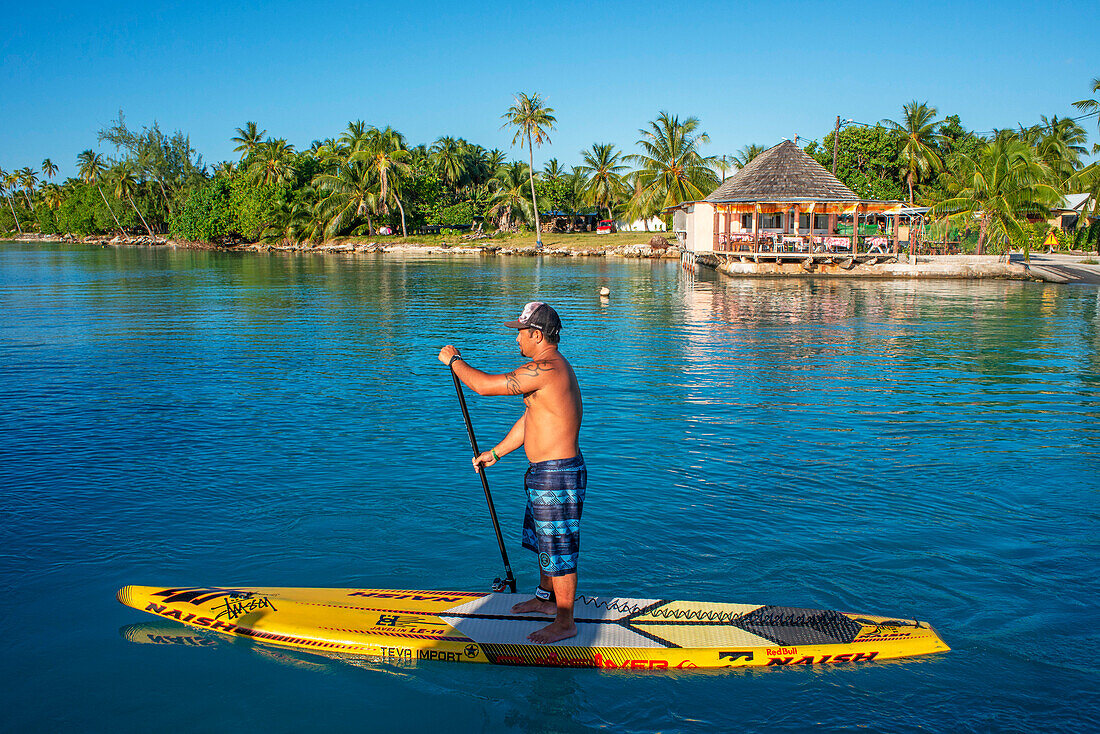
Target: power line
x,y
1085,116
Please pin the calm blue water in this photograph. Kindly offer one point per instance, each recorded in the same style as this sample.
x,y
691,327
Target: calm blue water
x,y
925,450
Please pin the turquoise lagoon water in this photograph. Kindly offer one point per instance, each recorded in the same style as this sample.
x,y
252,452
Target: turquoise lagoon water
x,y
169,417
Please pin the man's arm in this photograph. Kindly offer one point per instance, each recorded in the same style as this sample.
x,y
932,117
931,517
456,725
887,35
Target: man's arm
x,y
508,444
525,379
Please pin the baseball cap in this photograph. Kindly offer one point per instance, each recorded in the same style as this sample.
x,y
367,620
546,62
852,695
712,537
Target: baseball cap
x,y
538,315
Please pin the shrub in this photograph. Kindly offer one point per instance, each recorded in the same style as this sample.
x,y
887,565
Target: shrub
x,y
47,221
83,212
252,206
206,216
460,213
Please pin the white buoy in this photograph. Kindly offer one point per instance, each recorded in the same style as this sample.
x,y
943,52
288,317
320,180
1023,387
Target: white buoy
x,y
605,292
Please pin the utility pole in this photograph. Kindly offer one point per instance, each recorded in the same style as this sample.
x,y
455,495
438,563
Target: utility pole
x,y
836,139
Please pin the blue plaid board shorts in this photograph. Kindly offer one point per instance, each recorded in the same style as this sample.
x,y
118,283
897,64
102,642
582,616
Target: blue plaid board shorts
x,y
552,522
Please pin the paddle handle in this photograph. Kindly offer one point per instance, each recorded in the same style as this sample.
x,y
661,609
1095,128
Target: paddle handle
x,y
510,580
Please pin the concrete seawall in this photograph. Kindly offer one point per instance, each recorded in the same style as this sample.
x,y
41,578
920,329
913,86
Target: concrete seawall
x,y
1048,268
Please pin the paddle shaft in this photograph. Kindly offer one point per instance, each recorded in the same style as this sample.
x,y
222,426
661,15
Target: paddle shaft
x,y
510,580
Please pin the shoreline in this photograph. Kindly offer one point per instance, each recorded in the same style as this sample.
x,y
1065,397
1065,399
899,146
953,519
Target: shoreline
x,y
485,246
1057,268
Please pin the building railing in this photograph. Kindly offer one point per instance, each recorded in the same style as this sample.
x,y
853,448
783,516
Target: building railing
x,y
769,242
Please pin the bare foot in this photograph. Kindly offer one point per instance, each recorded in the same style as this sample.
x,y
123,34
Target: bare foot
x,y
536,605
553,632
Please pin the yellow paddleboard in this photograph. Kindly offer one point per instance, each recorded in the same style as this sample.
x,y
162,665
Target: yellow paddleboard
x,y
475,627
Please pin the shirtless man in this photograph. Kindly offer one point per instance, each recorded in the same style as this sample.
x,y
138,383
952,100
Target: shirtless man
x,y
556,478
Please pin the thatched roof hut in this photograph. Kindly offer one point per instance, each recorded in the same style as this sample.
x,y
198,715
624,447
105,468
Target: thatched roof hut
x,y
782,197
783,172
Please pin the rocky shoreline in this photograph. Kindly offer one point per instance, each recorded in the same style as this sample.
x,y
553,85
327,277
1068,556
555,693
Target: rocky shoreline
x,y
1050,268
479,247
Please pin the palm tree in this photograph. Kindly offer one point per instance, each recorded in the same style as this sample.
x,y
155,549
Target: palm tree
x,y
532,121
293,222
225,169
670,168
1060,143
272,162
28,180
349,194
387,160
916,136
124,183
91,169
7,185
1089,106
1004,183
52,195
509,202
448,157
640,204
354,137
1087,180
746,154
249,137
49,170
496,159
603,173
479,168
724,163
553,170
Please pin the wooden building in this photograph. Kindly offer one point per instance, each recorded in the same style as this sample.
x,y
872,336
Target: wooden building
x,y
783,202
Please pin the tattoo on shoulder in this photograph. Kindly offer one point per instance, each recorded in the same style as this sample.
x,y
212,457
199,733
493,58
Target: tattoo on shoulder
x,y
531,369
534,369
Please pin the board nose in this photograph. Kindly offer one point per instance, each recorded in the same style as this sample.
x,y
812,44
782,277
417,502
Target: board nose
x,y
125,595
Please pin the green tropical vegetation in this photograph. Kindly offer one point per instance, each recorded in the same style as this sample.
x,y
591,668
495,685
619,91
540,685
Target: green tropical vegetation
x,y
990,190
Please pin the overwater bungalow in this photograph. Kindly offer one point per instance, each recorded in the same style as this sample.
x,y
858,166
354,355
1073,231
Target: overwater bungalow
x,y
786,204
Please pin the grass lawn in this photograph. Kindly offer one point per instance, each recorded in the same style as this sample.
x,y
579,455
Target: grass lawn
x,y
577,240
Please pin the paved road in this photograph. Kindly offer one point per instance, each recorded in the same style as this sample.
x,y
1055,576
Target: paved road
x,y
1059,268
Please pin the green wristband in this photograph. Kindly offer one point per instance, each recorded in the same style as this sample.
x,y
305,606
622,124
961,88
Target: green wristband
x,y
494,453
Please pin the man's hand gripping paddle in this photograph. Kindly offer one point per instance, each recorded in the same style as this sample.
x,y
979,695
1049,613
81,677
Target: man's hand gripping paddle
x,y
510,581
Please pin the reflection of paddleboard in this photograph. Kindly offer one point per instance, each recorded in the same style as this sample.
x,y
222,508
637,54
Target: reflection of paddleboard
x,y
473,627
167,634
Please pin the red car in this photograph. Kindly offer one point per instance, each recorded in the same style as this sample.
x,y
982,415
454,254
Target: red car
x,y
605,226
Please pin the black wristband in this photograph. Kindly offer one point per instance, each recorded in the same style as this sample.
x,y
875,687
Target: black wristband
x,y
451,361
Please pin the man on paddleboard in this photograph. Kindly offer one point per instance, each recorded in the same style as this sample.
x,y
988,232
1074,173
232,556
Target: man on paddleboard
x,y
556,479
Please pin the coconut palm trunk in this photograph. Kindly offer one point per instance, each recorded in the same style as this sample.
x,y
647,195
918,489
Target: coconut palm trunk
x,y
534,203
138,212
164,195
28,198
112,211
16,216
404,233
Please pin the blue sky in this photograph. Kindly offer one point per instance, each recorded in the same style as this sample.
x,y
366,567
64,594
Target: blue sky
x,y
752,72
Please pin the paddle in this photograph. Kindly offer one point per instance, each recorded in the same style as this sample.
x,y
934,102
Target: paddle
x,y
510,581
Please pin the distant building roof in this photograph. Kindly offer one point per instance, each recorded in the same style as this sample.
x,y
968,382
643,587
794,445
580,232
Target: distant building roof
x,y
783,172
1073,202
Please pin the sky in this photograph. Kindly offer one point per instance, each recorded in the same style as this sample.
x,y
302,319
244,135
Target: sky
x,y
751,72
